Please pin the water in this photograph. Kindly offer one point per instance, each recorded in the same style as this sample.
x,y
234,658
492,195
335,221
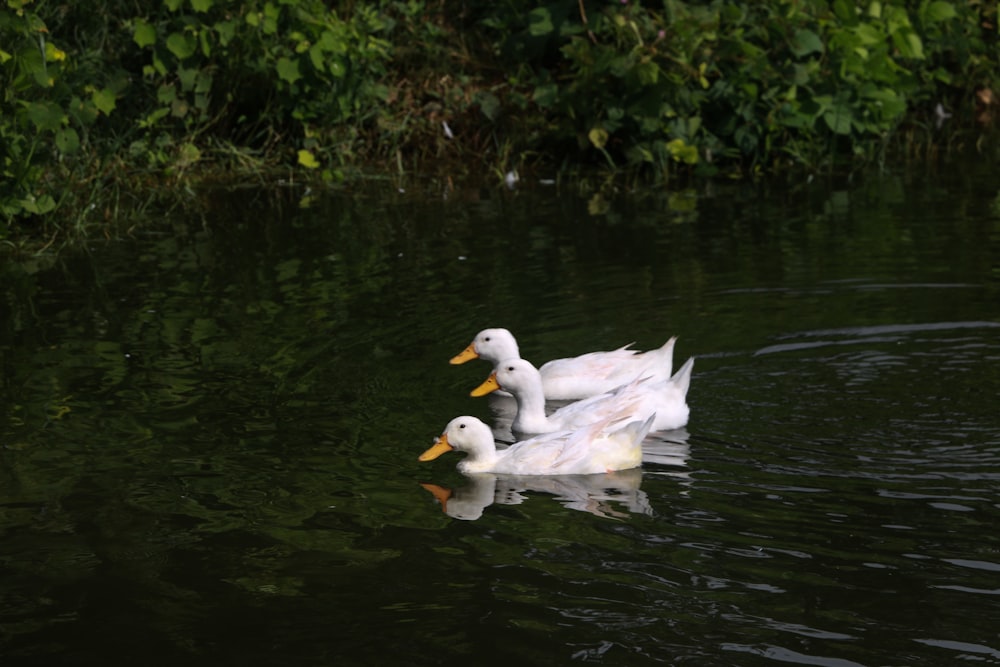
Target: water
x,y
210,433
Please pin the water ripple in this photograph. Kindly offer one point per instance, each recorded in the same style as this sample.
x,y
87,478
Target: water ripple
x,y
964,648
781,654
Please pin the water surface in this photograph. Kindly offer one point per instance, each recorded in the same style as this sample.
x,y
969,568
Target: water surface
x,y
208,451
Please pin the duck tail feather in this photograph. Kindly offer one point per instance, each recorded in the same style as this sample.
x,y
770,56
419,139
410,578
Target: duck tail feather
x,y
637,430
682,378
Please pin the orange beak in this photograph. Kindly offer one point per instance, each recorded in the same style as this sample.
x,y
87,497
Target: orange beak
x,y
490,385
439,447
467,354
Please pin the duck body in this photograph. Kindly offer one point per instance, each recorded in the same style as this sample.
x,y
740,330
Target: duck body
x,y
613,443
664,398
575,378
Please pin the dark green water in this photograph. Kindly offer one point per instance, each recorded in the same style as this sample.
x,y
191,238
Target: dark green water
x,y
209,437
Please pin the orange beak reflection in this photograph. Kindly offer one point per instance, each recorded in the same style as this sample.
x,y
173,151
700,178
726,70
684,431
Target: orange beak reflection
x,y
440,494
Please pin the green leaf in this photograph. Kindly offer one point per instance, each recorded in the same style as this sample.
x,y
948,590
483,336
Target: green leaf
x,y
166,93
158,65
104,100
545,95
838,119
489,104
46,116
188,155
173,5
846,11
270,24
647,72
822,103
39,205
226,30
890,104
598,137
181,45
179,108
144,34
693,125
34,62
682,152
805,42
868,34
909,44
317,57
288,70
83,112
540,22
187,76
943,75
206,43
153,118
307,159
203,82
897,19
67,140
800,74
202,5
639,154
792,117
935,12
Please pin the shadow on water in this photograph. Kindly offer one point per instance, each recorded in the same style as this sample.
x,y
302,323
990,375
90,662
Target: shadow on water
x,y
210,433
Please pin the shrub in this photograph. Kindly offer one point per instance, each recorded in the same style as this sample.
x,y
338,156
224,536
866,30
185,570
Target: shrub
x,y
750,84
95,94
51,101
260,74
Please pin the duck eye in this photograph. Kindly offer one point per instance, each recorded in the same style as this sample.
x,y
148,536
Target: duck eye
x,y
487,339
510,368
461,425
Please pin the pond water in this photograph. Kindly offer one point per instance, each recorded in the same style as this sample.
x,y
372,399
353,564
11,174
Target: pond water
x,y
208,452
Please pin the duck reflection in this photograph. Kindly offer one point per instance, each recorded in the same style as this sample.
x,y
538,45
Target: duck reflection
x,y
668,448
504,409
604,495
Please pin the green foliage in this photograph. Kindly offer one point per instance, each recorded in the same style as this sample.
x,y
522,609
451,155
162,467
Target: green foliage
x,y
46,112
743,84
100,95
260,72
289,77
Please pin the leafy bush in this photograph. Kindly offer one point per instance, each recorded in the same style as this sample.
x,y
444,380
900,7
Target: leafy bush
x,y
99,94
743,83
257,73
50,103
291,77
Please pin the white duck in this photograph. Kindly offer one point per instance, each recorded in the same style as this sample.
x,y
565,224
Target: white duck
x,y
646,396
574,378
586,451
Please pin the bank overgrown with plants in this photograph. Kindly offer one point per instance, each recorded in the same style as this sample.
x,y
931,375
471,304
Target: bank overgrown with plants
x,y
113,97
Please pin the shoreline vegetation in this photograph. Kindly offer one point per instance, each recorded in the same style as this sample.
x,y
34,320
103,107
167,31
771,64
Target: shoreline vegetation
x,y
105,100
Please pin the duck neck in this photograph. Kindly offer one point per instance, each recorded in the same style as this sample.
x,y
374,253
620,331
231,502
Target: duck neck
x,y
480,460
530,412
